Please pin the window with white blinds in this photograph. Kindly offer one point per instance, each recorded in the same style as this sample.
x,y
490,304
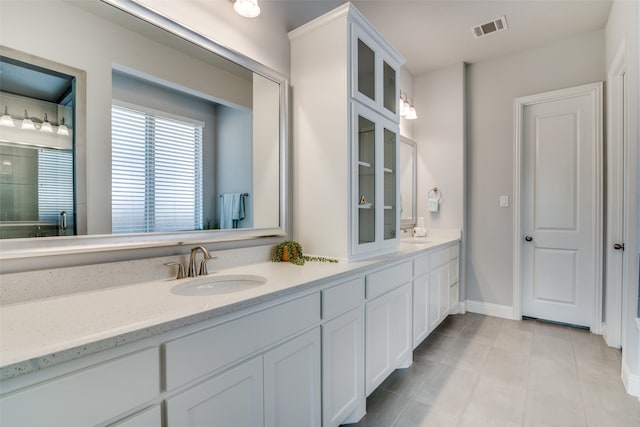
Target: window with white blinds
x,y
55,185
156,172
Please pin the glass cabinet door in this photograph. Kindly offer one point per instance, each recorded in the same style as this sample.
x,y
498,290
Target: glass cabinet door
x,y
375,78
389,94
366,70
366,180
390,139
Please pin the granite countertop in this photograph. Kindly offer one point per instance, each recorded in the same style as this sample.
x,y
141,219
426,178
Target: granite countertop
x,y
45,332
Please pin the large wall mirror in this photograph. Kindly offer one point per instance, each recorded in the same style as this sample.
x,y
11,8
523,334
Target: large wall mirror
x,y
173,139
408,192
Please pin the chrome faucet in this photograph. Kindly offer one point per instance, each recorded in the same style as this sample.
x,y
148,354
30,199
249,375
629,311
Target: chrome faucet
x,y
192,269
193,272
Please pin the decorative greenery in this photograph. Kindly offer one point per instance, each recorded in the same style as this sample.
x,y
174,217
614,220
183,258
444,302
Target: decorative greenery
x,y
290,251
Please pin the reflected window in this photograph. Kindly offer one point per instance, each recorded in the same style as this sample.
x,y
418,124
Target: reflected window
x,y
156,172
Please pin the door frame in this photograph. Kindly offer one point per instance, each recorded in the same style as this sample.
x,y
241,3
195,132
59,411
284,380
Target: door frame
x,y
617,192
594,90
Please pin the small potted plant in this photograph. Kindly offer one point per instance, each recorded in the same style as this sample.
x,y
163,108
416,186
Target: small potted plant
x,y
290,251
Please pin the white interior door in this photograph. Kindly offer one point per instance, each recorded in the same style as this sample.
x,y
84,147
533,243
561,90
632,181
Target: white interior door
x,y
559,204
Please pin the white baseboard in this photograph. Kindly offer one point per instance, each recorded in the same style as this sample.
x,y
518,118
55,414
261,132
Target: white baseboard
x,y
495,310
460,308
631,381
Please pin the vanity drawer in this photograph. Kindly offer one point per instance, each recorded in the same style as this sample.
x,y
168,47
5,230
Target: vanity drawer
x,y
390,278
439,257
206,351
340,298
86,397
420,265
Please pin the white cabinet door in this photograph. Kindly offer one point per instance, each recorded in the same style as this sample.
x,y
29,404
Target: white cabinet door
x,y
445,285
439,294
420,309
388,334
292,383
231,399
342,366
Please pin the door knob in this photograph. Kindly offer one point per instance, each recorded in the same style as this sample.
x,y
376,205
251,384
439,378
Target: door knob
x,y
528,238
618,246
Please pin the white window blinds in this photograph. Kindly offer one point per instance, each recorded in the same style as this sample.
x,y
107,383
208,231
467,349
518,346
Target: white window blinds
x,y
156,172
55,185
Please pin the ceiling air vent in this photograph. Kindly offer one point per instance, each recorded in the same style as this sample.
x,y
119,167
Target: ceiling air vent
x,y
498,24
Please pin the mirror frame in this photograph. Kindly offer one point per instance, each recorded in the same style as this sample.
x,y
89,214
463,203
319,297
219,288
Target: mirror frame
x,y
20,254
406,224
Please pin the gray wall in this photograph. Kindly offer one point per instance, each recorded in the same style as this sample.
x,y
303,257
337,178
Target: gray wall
x,y
439,133
491,88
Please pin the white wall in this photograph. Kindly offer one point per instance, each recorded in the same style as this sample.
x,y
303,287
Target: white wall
x,y
623,24
439,133
492,86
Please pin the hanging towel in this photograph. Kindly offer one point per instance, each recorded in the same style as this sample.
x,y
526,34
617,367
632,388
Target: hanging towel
x,y
231,210
433,204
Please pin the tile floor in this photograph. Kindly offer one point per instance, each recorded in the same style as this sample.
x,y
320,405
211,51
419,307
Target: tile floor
x,y
476,370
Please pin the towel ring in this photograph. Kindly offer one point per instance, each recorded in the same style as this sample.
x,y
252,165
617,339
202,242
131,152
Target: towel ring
x,y
436,192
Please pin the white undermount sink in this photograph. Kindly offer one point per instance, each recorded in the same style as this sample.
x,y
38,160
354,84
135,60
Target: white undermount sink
x,y
217,284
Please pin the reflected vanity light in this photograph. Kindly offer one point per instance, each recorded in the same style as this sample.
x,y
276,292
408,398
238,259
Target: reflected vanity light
x,y
63,129
27,123
406,108
247,8
46,126
6,119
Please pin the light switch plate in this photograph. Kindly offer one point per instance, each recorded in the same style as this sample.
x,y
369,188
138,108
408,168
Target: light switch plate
x,y
504,201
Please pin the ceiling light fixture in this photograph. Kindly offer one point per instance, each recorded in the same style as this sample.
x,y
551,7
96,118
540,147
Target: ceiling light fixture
x,y
247,8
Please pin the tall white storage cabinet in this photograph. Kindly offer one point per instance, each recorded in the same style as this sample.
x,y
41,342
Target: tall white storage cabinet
x,y
345,91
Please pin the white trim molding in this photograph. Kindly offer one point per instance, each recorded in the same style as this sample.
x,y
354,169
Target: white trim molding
x,y
490,309
617,228
595,90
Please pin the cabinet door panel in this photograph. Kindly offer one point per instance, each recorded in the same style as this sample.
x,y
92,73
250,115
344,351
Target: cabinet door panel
x,y
342,366
292,382
435,279
388,334
148,418
445,284
232,399
420,309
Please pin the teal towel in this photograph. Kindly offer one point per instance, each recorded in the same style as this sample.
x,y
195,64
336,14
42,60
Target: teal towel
x,y
231,210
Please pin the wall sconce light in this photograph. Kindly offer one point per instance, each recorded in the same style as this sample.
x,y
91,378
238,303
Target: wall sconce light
x,y
247,8
6,119
27,123
46,126
63,129
406,108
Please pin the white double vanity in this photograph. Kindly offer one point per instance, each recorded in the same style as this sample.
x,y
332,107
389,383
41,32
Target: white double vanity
x,y
302,347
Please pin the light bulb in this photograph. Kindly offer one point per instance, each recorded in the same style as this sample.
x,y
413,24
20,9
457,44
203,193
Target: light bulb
x,y
6,119
46,126
27,123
